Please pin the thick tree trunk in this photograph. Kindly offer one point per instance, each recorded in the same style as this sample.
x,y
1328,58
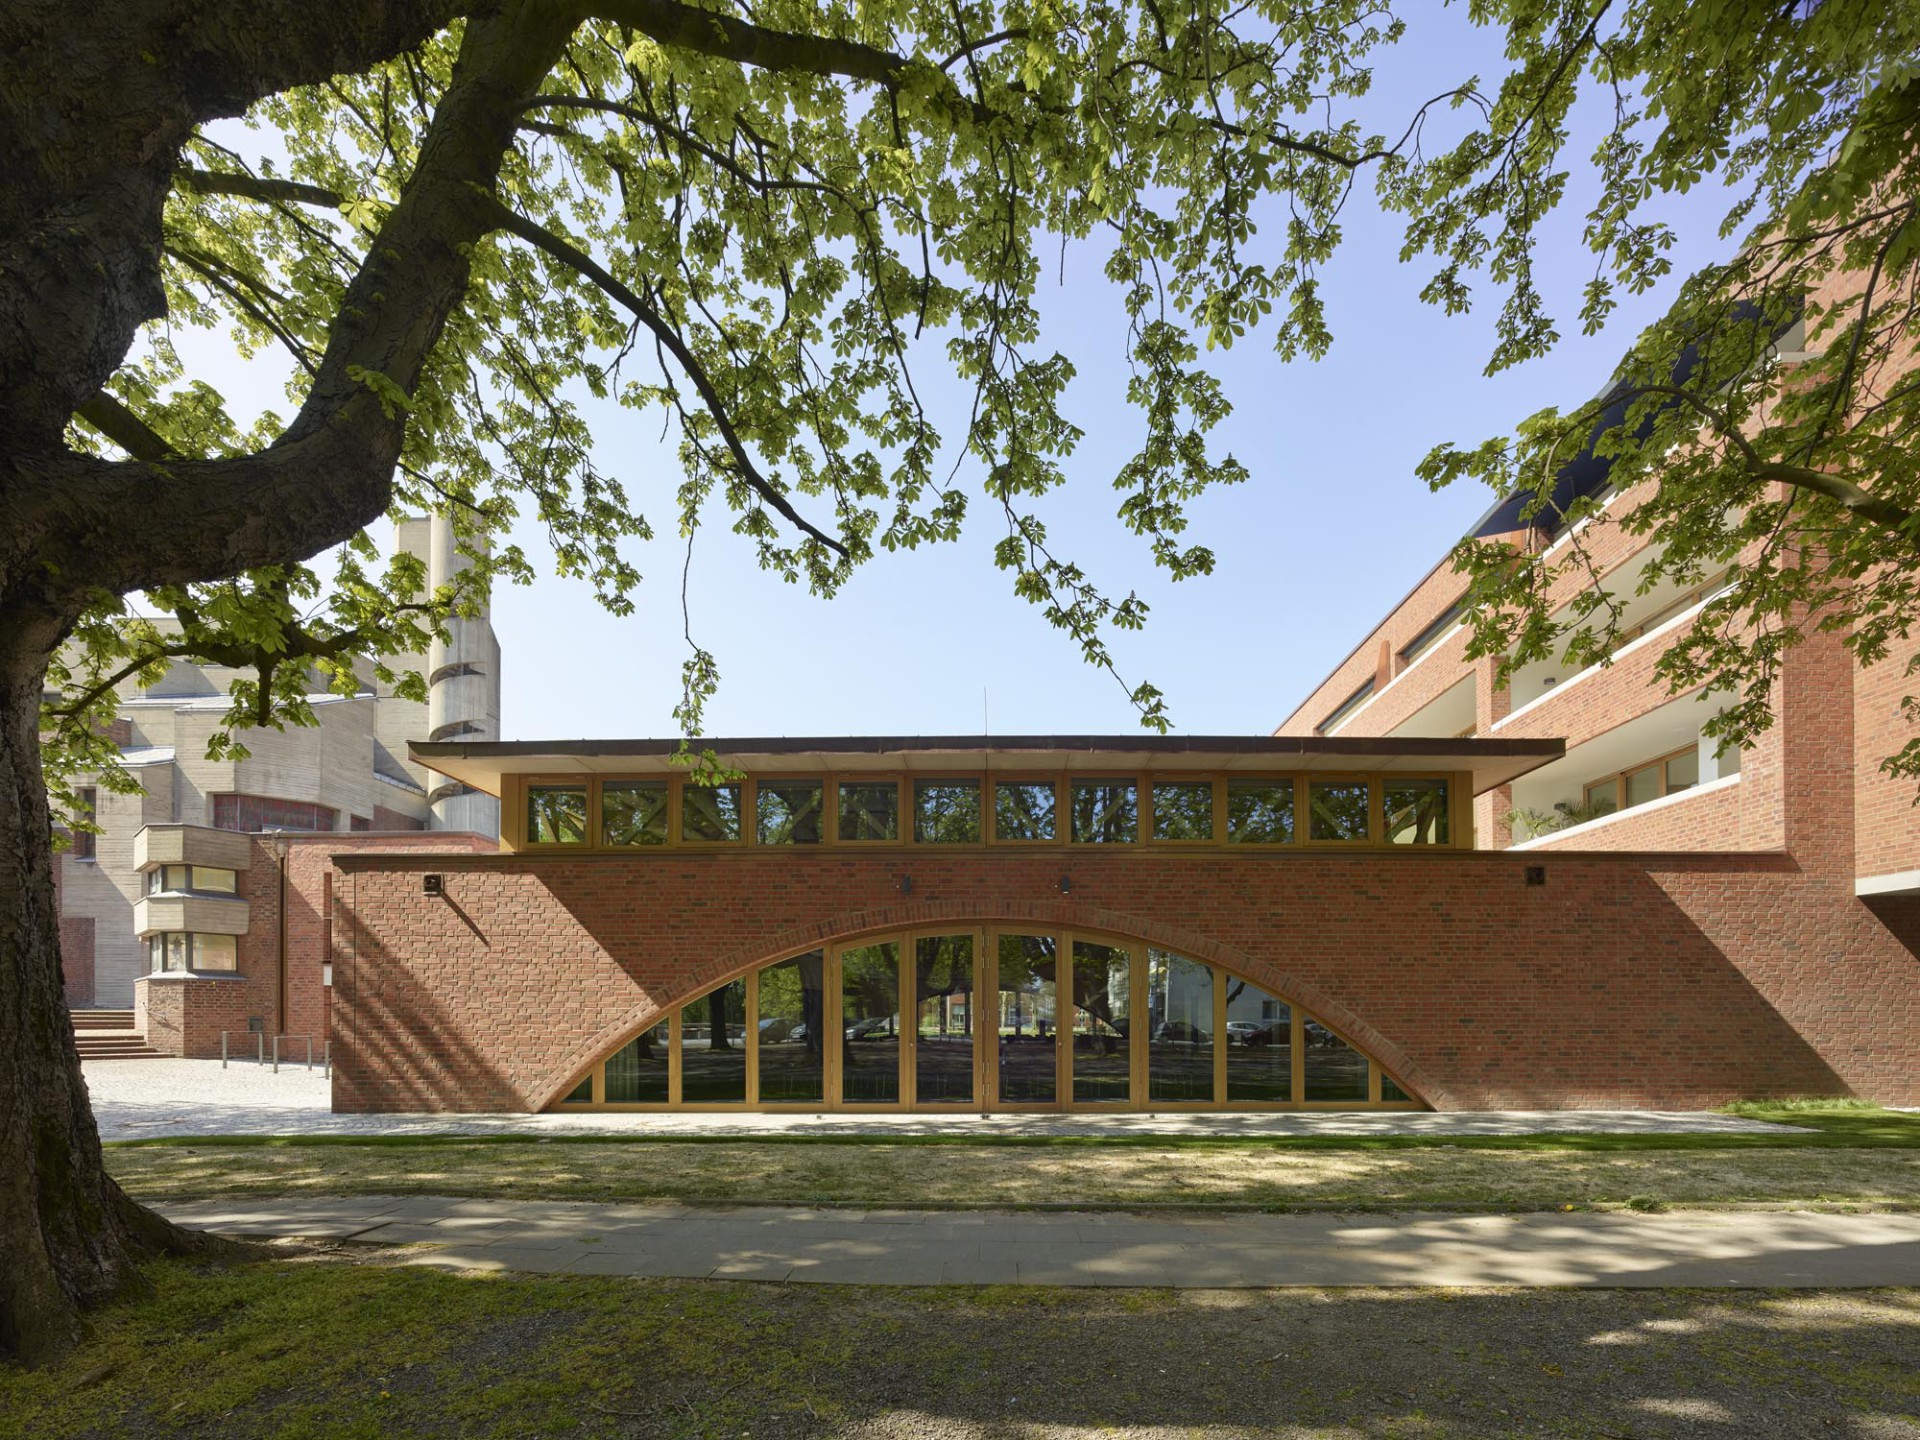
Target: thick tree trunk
x,y
69,1237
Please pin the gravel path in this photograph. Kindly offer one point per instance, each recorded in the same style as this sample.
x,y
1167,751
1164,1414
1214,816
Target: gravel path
x,y
137,1099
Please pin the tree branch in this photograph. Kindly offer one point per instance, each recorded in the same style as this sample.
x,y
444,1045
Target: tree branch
x,y
254,187
708,32
725,37
585,265
1854,498
114,420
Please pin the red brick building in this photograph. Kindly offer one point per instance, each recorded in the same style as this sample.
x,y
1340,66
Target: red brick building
x,y
1427,889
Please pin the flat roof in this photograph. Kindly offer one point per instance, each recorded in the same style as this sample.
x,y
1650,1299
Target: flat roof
x,y
484,764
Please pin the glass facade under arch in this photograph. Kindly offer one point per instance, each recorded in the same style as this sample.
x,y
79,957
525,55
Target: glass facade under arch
x,y
988,1019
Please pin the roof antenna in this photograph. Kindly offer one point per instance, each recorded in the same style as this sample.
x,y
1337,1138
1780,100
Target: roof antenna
x,y
985,728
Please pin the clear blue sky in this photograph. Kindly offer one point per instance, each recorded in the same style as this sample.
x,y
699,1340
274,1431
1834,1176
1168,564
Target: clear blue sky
x,y
1331,530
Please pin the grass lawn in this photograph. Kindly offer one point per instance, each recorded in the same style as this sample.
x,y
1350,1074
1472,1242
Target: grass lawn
x,y
1854,1156
313,1348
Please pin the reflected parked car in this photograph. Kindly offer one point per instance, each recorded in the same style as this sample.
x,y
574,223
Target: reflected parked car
x,y
873,1026
1181,1032
1273,1032
1241,1032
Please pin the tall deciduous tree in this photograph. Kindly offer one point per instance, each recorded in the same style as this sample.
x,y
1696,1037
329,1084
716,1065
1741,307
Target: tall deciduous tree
x,y
469,223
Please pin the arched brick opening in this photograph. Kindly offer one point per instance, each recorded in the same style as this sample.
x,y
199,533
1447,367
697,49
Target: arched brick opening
x,y
1062,914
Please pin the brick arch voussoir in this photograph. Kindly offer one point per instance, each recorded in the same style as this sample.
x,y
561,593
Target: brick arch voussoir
x,y
1063,913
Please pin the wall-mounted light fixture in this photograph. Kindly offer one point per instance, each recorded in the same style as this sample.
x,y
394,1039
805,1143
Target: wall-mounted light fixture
x,y
1536,874
906,885
432,885
1066,884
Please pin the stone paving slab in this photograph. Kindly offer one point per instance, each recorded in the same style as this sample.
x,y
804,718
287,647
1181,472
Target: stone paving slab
x,y
1696,1248
140,1099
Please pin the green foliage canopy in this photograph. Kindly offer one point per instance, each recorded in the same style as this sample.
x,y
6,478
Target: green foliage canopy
x,y
763,221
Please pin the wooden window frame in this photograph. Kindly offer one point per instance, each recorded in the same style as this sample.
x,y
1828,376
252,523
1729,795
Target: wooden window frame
x,y
1062,820
517,794
983,785
1149,806
1618,778
677,810
598,810
1452,782
1141,789
985,1021
903,829
1297,779
1373,839
589,841
750,809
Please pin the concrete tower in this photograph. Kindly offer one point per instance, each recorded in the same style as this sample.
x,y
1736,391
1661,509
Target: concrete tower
x,y
463,691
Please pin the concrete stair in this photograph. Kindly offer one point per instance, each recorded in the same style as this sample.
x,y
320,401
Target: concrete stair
x,y
109,1035
102,1020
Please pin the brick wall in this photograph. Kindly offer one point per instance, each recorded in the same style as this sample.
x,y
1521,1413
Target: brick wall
x,y
1626,980
1885,817
185,1014
76,959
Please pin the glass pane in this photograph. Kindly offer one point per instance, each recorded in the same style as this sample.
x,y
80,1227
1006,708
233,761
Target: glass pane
x,y
1102,1066
556,814
1416,812
1338,809
637,1072
1027,1026
1023,810
1260,812
1180,1037
582,1094
1602,798
221,882
634,813
713,1047
1390,1089
789,812
946,812
216,952
1183,810
1643,785
870,811
1335,1070
710,812
870,1024
1683,771
1105,812
792,1016
1259,1044
943,985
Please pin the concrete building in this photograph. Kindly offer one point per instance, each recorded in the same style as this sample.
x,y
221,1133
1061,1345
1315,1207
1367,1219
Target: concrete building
x,y
134,903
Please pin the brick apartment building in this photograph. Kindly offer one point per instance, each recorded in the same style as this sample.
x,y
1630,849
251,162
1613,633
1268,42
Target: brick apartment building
x,y
180,888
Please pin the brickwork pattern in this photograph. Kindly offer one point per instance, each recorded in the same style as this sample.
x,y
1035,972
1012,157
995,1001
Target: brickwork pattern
x,y
1885,817
1675,981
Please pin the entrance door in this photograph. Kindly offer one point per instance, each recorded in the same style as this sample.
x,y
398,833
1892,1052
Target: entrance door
x,y
1026,1034
947,1022
872,1027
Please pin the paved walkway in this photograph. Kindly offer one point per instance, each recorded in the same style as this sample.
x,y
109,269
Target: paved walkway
x,y
139,1099
902,1247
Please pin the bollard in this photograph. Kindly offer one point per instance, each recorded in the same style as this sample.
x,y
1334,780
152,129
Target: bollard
x,y
223,1049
